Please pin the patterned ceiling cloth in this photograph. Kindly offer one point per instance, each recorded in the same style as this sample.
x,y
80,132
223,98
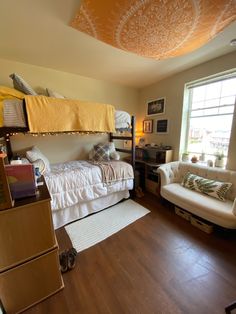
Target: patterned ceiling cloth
x,y
156,29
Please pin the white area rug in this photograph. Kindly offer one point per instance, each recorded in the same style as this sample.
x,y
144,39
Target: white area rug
x,y
93,229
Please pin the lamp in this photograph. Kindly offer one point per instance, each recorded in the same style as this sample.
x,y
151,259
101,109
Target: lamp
x,y
139,139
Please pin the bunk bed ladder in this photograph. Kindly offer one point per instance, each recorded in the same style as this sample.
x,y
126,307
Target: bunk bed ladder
x,y
128,151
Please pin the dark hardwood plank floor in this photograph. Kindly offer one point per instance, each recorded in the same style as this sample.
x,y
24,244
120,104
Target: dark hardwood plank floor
x,y
159,264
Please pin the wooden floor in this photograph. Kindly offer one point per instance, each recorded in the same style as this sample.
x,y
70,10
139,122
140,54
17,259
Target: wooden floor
x,y
159,264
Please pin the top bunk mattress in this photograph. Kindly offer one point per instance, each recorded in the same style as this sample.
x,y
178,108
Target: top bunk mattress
x,y
14,115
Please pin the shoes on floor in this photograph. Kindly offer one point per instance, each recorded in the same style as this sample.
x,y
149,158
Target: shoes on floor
x,y
63,262
67,260
71,253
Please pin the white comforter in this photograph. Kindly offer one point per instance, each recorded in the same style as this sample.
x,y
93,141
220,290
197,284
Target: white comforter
x,y
76,181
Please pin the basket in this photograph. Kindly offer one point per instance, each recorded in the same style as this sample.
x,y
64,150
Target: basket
x,y
204,226
182,213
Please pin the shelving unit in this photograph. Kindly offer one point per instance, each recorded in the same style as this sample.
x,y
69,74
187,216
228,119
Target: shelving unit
x,y
148,160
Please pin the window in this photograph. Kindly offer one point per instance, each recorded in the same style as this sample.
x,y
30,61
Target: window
x,y
209,116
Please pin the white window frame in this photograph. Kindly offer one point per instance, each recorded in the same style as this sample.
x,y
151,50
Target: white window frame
x,y
188,88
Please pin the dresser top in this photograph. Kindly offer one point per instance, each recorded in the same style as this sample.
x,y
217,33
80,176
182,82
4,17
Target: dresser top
x,y
42,194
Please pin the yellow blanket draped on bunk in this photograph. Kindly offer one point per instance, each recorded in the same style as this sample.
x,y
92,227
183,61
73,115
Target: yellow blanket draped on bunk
x,y
47,114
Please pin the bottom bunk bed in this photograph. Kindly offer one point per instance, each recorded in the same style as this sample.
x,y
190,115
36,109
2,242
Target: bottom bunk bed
x,y
79,188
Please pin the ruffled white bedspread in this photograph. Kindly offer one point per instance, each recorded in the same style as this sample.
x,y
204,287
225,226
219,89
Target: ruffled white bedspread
x,y
75,181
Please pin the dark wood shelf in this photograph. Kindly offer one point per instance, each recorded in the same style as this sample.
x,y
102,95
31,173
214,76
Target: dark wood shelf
x,y
123,150
125,138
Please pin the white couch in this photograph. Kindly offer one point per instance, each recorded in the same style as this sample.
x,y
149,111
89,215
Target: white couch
x,y
207,207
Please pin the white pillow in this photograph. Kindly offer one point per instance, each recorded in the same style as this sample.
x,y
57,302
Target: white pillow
x,y
34,154
51,93
115,156
20,84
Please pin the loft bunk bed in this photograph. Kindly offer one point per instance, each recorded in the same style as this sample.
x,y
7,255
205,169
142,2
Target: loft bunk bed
x,y
97,193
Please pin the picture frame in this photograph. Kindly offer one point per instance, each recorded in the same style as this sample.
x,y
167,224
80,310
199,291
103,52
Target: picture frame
x,y
148,126
156,107
162,126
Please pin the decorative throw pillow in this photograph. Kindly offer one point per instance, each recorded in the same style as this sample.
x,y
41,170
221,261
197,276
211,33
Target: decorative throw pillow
x,y
22,85
51,93
212,188
113,154
101,152
35,154
13,113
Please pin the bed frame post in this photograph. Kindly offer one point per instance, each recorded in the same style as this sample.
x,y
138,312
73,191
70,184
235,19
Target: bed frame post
x,y
133,123
110,137
8,146
129,151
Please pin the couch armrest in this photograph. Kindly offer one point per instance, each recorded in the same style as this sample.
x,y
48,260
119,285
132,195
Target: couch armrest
x,y
168,172
234,207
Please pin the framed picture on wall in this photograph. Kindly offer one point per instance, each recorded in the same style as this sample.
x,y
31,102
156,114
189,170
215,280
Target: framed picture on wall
x,y
148,126
156,107
162,126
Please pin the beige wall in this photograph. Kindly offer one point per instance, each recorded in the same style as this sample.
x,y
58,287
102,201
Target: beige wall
x,y
67,147
172,88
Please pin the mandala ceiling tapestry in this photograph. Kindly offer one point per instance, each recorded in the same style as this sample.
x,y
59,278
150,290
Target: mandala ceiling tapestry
x,y
156,29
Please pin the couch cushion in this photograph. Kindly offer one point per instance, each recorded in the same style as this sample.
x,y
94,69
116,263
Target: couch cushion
x,y
212,188
201,205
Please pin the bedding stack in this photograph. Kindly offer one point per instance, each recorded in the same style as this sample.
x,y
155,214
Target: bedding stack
x,y
77,188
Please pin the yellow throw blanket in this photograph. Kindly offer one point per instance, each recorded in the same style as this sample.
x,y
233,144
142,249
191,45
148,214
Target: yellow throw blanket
x,y
113,171
47,114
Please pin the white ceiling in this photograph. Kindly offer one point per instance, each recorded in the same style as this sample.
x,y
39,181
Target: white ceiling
x,y
38,32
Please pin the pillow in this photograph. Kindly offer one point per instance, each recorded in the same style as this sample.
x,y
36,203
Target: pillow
x,y
101,152
13,113
112,148
22,85
34,154
51,93
209,187
113,154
